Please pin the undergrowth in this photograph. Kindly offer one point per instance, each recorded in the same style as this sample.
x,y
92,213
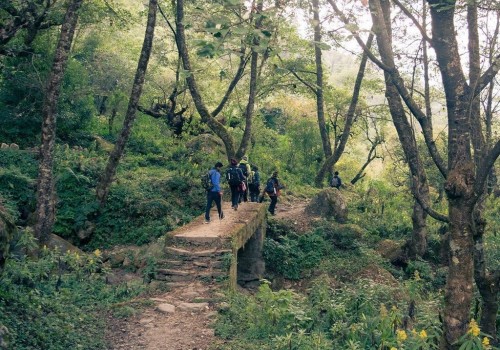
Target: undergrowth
x,y
57,301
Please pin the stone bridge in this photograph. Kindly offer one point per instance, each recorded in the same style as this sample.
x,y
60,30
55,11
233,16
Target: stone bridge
x,y
222,249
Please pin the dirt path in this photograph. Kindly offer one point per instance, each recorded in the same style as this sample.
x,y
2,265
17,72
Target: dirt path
x,y
179,320
182,318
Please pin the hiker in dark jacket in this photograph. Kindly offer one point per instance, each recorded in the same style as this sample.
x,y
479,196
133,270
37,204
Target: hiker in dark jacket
x,y
234,177
215,193
336,181
273,188
254,184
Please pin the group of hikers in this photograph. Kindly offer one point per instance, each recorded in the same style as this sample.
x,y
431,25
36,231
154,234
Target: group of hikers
x,y
244,179
244,182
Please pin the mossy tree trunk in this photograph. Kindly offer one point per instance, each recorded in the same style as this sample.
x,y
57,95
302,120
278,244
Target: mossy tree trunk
x,y
417,244
45,197
106,180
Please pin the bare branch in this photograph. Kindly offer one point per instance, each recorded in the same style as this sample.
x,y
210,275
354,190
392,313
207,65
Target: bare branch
x,y
414,20
425,206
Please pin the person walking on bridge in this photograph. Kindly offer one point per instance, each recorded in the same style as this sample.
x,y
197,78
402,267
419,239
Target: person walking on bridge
x,y
215,193
247,173
234,177
273,187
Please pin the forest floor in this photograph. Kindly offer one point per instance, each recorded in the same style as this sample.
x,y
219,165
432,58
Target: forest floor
x,y
183,317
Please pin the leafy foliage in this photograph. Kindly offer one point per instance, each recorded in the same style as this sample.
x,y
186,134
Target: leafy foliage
x,y
52,302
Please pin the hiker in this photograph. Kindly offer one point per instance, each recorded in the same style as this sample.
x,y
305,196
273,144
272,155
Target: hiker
x,y
254,184
272,189
247,173
215,193
234,177
336,181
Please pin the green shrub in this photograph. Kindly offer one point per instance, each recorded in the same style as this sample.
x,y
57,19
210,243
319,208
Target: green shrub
x,y
53,302
357,316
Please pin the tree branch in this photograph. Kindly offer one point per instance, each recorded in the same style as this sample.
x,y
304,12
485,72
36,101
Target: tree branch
x,y
425,206
486,164
356,36
414,20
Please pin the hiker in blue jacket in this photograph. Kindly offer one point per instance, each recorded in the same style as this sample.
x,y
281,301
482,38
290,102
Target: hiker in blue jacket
x,y
215,193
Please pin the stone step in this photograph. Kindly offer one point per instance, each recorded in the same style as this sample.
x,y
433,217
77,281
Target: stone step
x,y
194,254
170,262
169,275
174,272
199,241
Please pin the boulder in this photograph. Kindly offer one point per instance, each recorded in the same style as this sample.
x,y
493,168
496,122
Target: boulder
x,y
329,203
63,245
166,308
7,230
14,146
4,146
378,275
193,307
392,251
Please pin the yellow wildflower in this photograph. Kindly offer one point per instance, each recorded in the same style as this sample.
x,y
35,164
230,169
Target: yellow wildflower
x,y
383,311
422,334
416,275
401,335
486,343
414,332
97,253
393,348
473,328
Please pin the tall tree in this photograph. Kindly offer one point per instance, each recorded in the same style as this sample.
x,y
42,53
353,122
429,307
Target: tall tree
x,y
259,41
45,207
106,180
340,146
465,174
320,101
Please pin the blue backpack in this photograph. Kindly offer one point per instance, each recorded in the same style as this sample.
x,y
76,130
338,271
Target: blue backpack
x,y
270,186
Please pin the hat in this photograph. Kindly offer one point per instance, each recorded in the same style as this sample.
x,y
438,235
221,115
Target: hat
x,y
245,157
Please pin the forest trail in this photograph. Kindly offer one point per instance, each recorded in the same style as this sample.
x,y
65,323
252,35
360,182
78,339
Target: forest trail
x,y
182,318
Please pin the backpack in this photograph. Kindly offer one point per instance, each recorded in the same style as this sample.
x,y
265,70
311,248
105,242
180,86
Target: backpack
x,y
206,181
270,186
232,176
335,182
244,169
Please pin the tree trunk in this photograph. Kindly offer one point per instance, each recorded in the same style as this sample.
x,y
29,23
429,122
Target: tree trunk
x,y
487,283
205,115
417,244
104,185
320,103
460,181
253,85
45,204
330,161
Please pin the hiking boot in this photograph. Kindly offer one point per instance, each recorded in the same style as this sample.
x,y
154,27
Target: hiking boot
x,y
235,207
221,216
207,221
